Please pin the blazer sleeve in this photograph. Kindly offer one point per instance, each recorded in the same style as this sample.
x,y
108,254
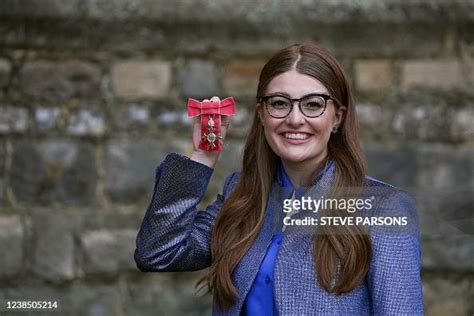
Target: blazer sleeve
x,y
394,274
174,235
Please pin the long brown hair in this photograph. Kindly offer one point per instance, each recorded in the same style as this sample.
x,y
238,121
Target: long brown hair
x,y
241,215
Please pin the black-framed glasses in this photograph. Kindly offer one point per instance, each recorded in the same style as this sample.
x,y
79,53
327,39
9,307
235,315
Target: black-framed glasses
x,y
311,105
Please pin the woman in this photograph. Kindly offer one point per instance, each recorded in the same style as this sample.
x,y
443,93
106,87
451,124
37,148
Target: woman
x,y
303,135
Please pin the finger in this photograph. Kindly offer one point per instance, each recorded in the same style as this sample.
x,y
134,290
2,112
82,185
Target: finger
x,y
224,126
215,99
205,100
225,120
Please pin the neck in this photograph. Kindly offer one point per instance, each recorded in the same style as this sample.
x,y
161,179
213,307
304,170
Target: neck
x,y
303,173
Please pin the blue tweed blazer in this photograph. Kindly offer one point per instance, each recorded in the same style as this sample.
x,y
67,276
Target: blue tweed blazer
x,y
174,236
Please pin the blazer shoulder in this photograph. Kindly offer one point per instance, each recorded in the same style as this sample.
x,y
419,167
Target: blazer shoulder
x,y
391,201
374,182
387,190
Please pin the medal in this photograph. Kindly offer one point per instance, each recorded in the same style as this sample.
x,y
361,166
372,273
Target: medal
x,y
210,112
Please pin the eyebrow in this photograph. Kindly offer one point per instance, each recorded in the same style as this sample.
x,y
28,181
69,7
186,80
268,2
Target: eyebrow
x,y
279,93
287,95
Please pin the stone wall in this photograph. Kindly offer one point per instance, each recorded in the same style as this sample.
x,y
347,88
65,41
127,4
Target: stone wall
x,y
92,98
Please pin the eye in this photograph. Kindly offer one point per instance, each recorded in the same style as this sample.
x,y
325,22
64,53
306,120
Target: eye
x,y
313,103
278,102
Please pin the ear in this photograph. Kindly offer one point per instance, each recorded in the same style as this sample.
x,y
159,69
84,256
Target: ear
x,y
339,115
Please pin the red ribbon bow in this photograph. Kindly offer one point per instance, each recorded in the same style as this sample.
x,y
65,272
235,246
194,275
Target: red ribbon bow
x,y
211,112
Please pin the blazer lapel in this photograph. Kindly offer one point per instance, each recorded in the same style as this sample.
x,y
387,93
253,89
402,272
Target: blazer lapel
x,y
320,186
246,271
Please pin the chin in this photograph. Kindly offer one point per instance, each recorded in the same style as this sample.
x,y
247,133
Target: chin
x,y
293,158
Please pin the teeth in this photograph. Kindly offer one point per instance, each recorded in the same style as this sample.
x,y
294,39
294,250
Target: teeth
x,y
296,135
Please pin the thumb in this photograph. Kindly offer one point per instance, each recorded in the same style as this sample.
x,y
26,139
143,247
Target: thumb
x,y
225,122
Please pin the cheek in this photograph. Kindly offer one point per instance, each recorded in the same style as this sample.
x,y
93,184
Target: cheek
x,y
322,128
326,123
270,134
270,126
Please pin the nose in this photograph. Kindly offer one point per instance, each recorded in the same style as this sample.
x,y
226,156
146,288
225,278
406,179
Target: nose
x,y
295,117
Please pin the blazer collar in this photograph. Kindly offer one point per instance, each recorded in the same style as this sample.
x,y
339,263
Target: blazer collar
x,y
283,180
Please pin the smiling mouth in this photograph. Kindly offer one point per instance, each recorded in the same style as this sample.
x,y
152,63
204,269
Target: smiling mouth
x,y
301,136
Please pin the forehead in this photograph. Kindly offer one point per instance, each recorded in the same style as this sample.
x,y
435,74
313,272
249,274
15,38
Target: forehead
x,y
295,84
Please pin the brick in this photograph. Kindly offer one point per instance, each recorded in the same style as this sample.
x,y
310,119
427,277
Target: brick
x,y
444,169
444,192
462,124
241,78
108,251
130,173
199,79
372,75
54,246
2,157
178,120
131,117
447,296
2,176
141,79
174,294
264,11
370,115
60,80
393,164
87,121
99,299
53,170
423,122
439,74
5,69
13,119
241,122
48,8
138,113
399,29
2,190
170,118
146,293
11,245
456,251
46,118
